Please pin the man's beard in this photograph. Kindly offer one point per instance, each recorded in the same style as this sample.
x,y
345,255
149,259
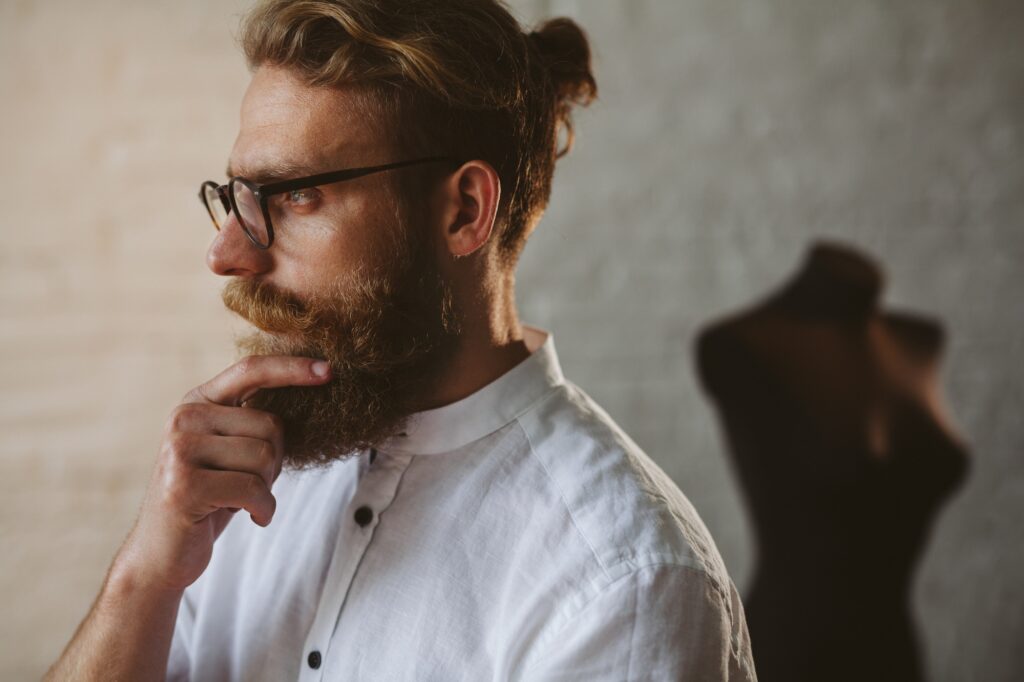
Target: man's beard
x,y
388,338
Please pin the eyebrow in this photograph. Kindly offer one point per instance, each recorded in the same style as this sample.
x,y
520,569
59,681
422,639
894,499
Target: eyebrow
x,y
278,170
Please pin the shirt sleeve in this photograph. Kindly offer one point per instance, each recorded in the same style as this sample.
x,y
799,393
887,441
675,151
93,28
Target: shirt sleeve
x,y
662,622
179,661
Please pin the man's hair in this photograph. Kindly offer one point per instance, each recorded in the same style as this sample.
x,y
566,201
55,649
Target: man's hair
x,y
452,77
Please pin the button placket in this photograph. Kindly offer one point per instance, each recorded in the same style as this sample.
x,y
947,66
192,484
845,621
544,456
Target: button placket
x,y
374,493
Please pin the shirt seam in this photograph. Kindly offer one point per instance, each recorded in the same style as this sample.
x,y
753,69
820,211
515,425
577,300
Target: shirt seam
x,y
561,496
543,642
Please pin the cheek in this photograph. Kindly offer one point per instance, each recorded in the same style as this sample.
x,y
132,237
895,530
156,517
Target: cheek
x,y
374,232
344,240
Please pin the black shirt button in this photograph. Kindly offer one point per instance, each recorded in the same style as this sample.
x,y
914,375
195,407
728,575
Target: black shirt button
x,y
313,659
363,515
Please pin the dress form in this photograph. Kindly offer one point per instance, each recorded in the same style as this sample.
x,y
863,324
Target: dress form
x,y
832,412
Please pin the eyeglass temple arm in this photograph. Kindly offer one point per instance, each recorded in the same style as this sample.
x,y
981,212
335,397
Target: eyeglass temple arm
x,y
338,176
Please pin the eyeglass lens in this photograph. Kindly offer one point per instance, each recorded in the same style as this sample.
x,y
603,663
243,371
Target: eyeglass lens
x,y
219,205
249,211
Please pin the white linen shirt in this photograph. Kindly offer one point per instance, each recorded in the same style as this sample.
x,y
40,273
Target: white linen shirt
x,y
515,534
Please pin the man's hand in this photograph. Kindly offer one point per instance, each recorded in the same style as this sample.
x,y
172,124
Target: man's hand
x,y
216,457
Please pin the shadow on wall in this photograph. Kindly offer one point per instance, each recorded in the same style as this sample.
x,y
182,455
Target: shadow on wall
x,y
831,409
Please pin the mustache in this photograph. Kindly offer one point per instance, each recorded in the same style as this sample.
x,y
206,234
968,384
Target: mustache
x,y
349,311
268,307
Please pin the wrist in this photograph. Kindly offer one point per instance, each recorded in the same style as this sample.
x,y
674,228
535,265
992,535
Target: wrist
x,y
126,581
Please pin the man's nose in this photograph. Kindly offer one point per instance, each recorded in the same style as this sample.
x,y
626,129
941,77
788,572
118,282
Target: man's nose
x,y
232,252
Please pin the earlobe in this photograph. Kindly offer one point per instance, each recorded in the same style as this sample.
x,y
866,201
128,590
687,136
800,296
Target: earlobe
x,y
476,193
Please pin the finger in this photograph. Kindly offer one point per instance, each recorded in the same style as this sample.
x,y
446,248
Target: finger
x,y
224,420
220,420
253,372
211,489
236,453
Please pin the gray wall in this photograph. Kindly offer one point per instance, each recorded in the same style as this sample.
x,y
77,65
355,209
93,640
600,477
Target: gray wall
x,y
728,136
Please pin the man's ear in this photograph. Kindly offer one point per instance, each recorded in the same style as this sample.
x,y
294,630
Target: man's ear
x,y
471,196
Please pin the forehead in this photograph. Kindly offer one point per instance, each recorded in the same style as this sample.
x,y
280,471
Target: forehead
x,y
285,123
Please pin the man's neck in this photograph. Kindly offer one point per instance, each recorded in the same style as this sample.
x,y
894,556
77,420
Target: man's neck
x,y
490,345
474,364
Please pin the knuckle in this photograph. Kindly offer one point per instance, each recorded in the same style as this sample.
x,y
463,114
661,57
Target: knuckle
x,y
246,365
178,446
257,493
274,422
182,417
266,455
250,486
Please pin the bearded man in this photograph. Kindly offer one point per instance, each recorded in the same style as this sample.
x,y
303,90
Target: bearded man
x,y
446,505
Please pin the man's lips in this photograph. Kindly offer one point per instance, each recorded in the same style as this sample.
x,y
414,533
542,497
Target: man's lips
x,y
266,322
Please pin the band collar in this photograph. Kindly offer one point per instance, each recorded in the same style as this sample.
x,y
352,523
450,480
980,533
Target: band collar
x,y
449,427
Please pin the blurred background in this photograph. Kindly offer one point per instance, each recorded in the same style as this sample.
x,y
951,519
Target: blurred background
x,y
728,136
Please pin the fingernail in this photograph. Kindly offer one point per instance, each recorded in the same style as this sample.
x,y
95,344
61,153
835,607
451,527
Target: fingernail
x,y
320,368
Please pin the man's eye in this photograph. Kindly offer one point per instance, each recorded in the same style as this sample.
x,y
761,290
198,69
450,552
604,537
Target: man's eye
x,y
301,197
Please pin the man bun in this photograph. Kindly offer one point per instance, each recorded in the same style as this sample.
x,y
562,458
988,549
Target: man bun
x,y
564,51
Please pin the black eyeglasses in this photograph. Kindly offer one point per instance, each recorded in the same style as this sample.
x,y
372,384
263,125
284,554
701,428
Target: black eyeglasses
x,y
249,200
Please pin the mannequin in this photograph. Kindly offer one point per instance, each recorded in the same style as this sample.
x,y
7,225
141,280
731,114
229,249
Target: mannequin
x,y
831,409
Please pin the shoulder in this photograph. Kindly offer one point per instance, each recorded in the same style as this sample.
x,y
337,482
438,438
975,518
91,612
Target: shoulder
x,y
652,567
630,512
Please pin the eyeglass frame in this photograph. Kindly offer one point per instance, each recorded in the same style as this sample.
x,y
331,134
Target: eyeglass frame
x,y
263,191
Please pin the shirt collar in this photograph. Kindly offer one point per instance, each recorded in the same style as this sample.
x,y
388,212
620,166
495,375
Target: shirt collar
x,y
446,428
